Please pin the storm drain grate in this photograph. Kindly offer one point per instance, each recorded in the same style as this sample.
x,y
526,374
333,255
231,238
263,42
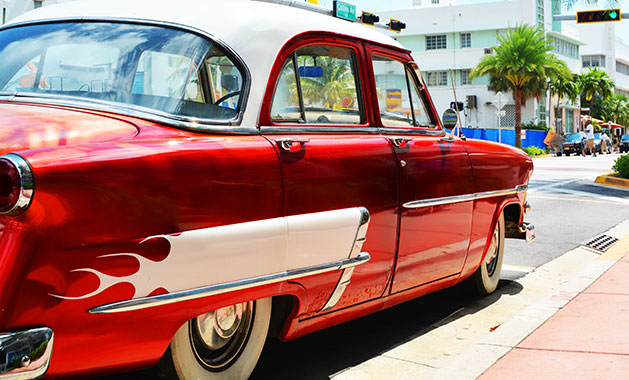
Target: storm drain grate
x,y
601,243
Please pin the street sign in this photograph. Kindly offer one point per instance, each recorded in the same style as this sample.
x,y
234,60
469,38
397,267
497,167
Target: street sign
x,y
344,10
449,118
500,100
500,112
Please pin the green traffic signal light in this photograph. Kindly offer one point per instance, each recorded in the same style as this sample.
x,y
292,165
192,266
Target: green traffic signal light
x,y
601,15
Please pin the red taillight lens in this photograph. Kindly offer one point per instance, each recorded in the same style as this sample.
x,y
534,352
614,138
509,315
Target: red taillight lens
x,y
16,185
10,186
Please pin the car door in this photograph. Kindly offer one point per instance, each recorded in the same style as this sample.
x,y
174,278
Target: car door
x,y
332,158
435,176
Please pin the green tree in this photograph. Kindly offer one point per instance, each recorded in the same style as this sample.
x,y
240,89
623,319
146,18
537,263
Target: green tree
x,y
616,109
593,83
523,63
564,88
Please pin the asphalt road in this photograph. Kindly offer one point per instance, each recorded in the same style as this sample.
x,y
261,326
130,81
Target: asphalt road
x,y
567,210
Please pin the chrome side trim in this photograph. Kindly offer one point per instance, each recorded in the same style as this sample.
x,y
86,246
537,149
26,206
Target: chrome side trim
x,y
315,129
411,131
185,295
464,198
359,240
34,347
179,121
27,184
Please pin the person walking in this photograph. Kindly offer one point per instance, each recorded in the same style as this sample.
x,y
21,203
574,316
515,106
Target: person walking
x,y
589,139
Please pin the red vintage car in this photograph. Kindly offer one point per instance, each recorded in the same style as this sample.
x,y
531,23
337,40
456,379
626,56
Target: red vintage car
x,y
178,183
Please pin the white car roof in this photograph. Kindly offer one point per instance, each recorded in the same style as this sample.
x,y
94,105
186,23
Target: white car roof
x,y
256,31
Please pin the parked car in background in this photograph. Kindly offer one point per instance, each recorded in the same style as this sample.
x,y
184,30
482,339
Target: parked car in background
x,y
175,188
623,145
598,143
573,143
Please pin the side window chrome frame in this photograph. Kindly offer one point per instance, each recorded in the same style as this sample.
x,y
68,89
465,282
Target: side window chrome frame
x,y
302,125
179,121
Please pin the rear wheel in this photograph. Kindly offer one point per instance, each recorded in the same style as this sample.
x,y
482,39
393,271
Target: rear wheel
x,y
222,344
485,280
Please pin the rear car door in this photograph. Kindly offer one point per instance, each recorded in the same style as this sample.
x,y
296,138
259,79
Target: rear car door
x,y
435,176
332,158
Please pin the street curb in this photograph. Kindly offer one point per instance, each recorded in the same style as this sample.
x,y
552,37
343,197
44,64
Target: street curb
x,y
609,180
482,355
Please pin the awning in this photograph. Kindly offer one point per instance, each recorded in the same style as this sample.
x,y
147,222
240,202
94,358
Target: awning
x,y
610,124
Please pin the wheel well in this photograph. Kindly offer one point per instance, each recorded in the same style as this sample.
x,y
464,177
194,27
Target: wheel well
x,y
512,214
280,311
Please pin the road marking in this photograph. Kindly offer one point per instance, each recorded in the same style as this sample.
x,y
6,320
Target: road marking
x,y
576,199
517,268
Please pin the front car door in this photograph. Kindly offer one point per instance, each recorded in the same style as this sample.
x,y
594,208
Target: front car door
x,y
435,176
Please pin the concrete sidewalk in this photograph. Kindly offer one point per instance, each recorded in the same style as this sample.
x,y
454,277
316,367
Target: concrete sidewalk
x,y
587,339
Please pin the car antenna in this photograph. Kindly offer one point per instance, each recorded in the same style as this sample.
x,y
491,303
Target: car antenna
x,y
456,108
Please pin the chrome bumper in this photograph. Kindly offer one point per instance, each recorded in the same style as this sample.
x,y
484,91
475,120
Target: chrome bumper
x,y
25,355
528,230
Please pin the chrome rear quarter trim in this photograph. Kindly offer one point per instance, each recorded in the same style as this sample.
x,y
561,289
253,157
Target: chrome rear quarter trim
x,y
164,299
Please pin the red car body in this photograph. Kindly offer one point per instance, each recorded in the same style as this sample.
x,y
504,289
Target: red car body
x,y
110,186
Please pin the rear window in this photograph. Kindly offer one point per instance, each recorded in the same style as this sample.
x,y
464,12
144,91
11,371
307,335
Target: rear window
x,y
156,68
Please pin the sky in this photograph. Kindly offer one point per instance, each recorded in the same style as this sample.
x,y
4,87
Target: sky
x,y
622,27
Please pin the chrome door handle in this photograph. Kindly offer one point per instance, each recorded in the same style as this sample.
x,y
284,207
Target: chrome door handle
x,y
447,139
399,141
286,143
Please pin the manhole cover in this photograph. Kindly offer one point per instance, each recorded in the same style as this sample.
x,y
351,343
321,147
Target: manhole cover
x,y
601,243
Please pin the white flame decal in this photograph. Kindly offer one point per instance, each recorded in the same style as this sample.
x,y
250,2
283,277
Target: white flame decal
x,y
222,254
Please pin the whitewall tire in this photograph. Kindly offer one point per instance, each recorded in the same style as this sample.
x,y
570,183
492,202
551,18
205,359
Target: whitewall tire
x,y
223,344
485,280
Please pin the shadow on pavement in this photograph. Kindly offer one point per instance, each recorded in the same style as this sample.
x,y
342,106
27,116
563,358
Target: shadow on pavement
x,y
322,354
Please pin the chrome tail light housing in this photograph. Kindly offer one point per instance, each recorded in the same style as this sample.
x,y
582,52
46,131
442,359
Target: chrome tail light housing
x,y
16,185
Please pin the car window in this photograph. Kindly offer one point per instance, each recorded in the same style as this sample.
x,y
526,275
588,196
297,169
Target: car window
x,y
158,68
319,84
397,108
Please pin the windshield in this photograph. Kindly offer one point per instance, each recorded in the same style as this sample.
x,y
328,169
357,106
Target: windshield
x,y
574,137
159,68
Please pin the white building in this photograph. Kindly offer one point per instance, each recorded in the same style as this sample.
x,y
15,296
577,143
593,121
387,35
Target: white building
x,y
449,40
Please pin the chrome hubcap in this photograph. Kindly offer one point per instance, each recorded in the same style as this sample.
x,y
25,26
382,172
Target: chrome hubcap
x,y
218,337
491,260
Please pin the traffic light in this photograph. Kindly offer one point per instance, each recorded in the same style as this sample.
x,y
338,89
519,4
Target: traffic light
x,y
396,25
369,18
601,15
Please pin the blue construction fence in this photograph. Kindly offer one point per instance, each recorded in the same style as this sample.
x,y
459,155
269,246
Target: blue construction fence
x,y
533,138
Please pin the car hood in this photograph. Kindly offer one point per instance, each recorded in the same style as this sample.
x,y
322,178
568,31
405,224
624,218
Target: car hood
x,y
26,127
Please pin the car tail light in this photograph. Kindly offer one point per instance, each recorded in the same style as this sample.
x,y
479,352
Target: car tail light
x,y
16,185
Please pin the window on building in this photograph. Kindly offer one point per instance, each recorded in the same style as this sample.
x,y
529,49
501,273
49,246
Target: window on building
x,y
566,48
436,42
434,1
37,3
593,60
622,68
466,40
437,78
465,77
540,13
541,109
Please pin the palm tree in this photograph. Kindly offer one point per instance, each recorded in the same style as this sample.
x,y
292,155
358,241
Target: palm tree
x,y
595,82
563,88
616,109
523,63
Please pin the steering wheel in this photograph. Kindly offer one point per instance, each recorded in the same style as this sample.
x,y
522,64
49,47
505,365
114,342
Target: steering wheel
x,y
230,95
